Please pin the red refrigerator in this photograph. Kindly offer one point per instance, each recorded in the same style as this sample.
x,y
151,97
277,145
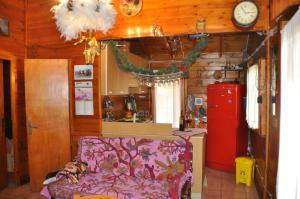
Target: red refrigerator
x,y
226,125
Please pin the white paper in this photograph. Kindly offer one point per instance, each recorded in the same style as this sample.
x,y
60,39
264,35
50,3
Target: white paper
x,y
82,72
84,104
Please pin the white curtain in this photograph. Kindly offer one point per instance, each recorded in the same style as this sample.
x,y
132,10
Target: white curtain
x,y
167,104
252,111
288,176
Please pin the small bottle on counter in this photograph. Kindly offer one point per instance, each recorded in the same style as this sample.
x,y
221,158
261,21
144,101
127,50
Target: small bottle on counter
x,y
196,121
181,122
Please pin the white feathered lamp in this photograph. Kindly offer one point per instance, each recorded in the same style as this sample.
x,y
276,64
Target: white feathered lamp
x,y
74,17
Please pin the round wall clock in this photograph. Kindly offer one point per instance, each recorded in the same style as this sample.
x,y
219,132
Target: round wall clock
x,y
130,8
245,14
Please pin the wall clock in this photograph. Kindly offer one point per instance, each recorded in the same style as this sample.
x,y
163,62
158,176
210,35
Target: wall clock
x,y
130,8
245,14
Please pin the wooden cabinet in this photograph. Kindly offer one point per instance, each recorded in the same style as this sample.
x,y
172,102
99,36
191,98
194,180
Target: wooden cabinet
x,y
138,90
115,81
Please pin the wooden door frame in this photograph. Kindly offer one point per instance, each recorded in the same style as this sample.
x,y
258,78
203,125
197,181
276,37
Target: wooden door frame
x,y
13,88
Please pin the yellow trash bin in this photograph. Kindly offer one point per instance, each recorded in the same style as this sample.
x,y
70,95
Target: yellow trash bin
x,y
244,170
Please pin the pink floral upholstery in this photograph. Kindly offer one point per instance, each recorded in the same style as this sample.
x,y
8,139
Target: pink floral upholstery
x,y
130,168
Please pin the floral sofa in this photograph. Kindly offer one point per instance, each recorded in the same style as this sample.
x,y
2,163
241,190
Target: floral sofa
x,y
129,168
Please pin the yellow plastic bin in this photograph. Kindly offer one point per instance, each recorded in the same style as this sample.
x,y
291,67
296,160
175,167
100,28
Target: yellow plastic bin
x,y
244,170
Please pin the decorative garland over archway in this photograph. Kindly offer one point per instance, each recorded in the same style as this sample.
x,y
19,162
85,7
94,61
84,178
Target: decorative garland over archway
x,y
170,72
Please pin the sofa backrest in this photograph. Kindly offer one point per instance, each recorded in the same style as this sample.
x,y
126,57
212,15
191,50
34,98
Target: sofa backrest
x,y
138,157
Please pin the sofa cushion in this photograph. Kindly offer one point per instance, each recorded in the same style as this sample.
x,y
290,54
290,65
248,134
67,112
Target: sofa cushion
x,y
136,157
108,183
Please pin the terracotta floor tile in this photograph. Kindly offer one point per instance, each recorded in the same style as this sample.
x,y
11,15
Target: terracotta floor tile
x,y
251,193
228,176
233,195
232,187
213,172
21,192
207,194
228,187
213,182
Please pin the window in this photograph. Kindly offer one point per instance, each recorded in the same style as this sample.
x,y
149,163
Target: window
x,y
252,114
167,104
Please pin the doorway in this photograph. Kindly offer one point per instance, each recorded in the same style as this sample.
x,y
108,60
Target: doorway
x,y
14,157
6,125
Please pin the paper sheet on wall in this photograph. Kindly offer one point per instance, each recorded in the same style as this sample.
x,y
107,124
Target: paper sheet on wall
x,y
84,104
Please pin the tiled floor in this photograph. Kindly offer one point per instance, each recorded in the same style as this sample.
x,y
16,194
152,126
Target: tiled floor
x,y
21,192
218,185
221,185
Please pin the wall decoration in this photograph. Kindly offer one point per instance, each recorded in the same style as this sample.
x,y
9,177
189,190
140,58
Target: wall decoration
x,y
83,72
4,27
190,105
74,17
84,104
130,8
198,101
218,75
170,74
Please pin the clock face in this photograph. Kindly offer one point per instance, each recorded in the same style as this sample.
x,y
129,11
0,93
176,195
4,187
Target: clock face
x,y
245,13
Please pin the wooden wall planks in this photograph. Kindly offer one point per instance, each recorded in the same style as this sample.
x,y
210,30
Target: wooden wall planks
x,y
13,48
42,33
14,12
277,7
21,121
86,123
202,72
274,120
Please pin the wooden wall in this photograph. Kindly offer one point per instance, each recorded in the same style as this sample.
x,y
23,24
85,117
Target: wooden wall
x,y
14,11
14,46
44,40
202,72
39,33
84,125
277,7
266,147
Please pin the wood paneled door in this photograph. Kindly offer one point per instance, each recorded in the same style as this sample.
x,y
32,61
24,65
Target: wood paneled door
x,y
47,112
3,167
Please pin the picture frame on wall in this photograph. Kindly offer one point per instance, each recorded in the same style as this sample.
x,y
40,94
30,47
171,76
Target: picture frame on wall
x,y
4,27
84,103
198,101
83,72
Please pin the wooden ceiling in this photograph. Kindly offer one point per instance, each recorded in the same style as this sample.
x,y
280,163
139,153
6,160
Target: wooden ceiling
x,y
160,48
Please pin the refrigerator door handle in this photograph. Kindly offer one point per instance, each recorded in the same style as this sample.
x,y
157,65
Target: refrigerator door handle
x,y
212,106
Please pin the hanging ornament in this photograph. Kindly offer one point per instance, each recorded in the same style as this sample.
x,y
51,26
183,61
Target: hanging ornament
x,y
130,8
73,17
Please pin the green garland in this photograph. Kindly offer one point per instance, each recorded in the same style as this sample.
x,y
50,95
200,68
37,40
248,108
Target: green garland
x,y
124,64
